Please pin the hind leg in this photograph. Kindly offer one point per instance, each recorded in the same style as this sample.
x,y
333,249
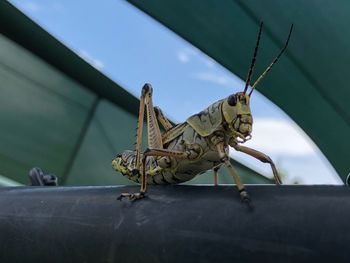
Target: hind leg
x,y
153,135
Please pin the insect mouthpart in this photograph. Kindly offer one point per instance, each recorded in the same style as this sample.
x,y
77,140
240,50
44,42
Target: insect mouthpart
x,y
242,127
245,128
245,124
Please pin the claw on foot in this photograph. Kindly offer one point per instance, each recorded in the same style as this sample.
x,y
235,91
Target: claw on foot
x,y
132,197
245,198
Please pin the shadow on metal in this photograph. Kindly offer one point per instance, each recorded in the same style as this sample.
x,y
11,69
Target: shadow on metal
x,y
175,224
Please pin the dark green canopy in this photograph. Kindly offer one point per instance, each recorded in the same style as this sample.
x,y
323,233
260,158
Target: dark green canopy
x,y
61,114
310,82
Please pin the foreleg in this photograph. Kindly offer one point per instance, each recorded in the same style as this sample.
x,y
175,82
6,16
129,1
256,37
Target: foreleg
x,y
262,157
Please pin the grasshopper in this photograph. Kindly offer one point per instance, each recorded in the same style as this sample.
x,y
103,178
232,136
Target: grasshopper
x,y
199,144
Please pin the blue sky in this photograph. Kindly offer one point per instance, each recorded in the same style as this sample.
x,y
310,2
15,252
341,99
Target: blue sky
x,y
132,48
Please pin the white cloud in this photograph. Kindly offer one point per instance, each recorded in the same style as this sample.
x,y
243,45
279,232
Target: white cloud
x,y
209,62
186,54
183,57
279,137
282,141
34,7
216,78
96,63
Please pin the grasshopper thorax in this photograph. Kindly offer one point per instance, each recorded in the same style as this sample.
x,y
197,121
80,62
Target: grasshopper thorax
x,y
237,116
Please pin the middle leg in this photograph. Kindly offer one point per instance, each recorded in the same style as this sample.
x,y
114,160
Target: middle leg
x,y
225,159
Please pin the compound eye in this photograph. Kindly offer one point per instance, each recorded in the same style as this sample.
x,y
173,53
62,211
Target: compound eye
x,y
232,101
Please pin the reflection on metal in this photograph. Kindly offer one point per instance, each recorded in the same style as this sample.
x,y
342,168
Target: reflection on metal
x,y
4,181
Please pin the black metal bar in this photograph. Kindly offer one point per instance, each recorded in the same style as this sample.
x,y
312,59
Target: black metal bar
x,y
175,224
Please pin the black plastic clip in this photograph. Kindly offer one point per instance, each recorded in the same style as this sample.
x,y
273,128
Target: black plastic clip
x,y
38,178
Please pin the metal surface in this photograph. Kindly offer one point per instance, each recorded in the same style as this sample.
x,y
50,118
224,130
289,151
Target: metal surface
x,y
175,224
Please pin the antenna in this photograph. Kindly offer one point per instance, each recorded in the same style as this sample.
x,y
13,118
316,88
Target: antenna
x,y
273,62
250,72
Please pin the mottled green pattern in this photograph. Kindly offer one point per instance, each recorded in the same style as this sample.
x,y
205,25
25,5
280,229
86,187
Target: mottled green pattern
x,y
208,120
